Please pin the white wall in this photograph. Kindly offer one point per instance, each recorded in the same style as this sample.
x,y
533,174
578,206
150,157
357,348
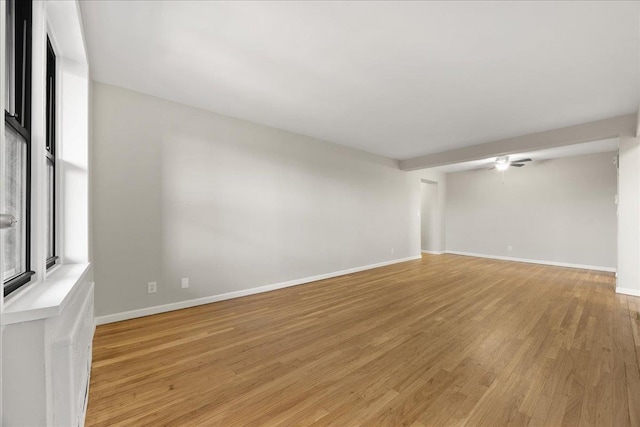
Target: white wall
x,y
73,161
429,213
560,211
629,217
428,194
233,205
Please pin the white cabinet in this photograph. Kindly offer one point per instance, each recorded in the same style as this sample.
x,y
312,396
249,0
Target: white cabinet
x,y
47,360
71,365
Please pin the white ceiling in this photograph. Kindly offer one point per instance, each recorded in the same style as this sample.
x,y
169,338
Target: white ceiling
x,y
400,79
604,146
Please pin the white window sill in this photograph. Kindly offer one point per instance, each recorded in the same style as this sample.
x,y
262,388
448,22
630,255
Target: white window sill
x,y
46,298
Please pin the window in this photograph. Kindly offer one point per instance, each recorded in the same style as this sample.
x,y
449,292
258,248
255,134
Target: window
x,y
50,154
17,150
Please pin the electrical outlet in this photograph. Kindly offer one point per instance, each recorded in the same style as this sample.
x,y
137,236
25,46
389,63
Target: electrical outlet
x,y
185,282
152,287
509,248
393,250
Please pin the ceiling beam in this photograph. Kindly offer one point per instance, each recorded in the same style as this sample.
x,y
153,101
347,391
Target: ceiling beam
x,y
586,132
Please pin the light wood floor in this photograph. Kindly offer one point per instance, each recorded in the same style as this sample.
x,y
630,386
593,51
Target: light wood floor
x,y
446,340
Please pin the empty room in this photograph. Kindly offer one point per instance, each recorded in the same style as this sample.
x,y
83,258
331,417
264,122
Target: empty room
x,y
315,213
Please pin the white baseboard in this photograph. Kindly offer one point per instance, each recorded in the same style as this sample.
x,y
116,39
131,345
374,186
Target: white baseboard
x,y
535,261
117,317
628,291
433,252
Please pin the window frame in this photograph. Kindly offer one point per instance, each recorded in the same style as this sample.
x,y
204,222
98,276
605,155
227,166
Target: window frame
x,y
50,148
21,123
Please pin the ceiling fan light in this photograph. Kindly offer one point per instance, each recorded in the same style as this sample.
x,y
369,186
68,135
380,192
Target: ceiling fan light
x,y
502,163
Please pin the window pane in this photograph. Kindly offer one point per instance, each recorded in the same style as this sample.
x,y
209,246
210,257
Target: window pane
x,y
50,209
14,203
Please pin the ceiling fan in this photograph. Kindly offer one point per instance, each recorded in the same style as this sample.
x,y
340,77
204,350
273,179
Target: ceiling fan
x,y
502,163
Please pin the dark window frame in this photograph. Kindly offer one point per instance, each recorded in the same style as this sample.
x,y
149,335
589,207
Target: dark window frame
x,y
20,121
50,151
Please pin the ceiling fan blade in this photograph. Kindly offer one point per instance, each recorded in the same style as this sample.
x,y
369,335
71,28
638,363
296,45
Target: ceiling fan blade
x,y
522,160
517,165
492,168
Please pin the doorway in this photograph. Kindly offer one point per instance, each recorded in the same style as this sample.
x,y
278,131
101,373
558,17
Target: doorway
x,y
430,218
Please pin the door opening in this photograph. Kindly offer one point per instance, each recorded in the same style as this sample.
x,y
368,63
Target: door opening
x,y
429,217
